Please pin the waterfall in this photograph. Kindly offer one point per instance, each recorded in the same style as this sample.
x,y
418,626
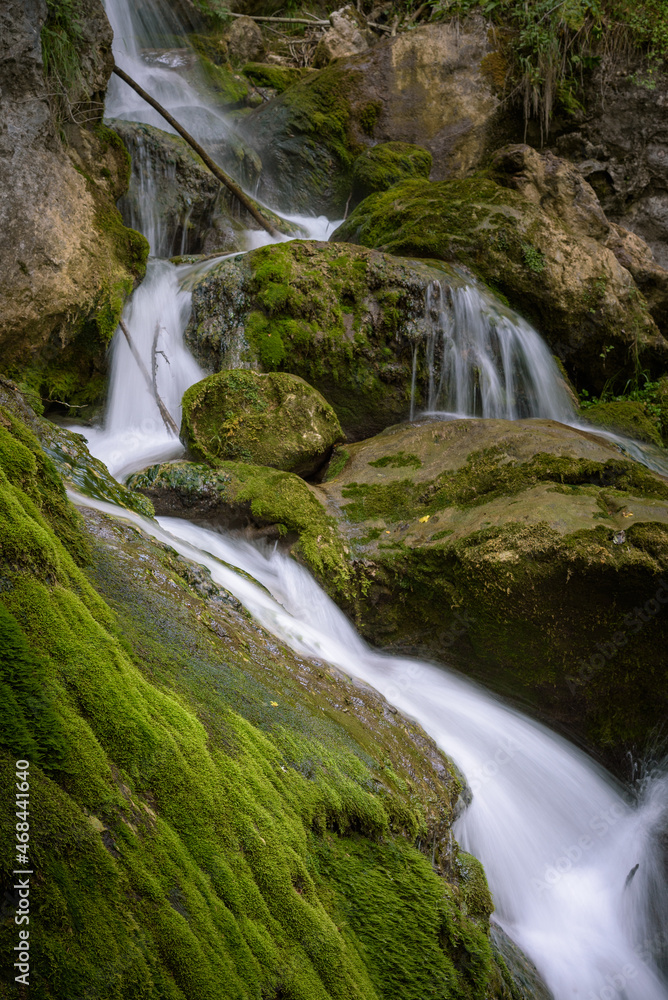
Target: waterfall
x,y
483,360
559,837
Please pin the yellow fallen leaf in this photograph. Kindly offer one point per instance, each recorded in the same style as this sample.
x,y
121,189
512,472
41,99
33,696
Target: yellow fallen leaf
x,y
423,520
274,703
387,532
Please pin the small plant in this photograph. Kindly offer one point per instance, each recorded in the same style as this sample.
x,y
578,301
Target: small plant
x,y
533,258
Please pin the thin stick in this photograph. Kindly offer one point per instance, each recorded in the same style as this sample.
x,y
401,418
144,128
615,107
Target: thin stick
x,y
284,20
164,412
202,153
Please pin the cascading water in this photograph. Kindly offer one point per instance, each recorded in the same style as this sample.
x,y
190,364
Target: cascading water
x,y
557,835
484,360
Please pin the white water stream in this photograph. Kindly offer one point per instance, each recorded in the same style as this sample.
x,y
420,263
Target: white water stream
x,y
557,835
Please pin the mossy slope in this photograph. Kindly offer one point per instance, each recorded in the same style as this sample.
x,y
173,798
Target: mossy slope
x,y
191,801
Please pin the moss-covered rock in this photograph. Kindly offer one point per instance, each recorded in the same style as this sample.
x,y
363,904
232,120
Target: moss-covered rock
x,y
425,86
385,165
344,319
529,554
276,420
628,417
67,262
273,76
239,495
210,815
542,245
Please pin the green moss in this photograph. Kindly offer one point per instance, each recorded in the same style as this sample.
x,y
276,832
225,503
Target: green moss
x,y
399,460
627,417
275,420
191,829
487,475
229,86
337,463
278,78
368,116
387,164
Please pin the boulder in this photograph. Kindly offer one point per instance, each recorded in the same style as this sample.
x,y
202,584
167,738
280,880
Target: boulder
x,y
428,87
532,229
345,319
346,37
67,263
276,420
385,165
244,41
531,555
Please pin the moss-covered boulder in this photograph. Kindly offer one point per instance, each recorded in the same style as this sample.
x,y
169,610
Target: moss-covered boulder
x,y
274,504
343,318
531,555
276,420
210,814
67,262
534,232
627,417
385,165
429,86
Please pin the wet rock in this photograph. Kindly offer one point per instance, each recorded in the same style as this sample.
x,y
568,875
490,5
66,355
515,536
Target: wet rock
x,y
277,420
626,417
427,87
67,263
343,318
534,232
494,546
244,41
346,37
621,148
385,165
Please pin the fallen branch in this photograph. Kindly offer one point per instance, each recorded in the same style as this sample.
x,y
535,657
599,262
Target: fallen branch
x,y
202,153
152,388
284,20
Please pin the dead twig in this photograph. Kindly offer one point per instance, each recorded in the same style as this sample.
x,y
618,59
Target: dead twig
x,y
150,383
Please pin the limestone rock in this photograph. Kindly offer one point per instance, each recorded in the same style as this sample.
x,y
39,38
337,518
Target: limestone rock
x,y
346,37
533,238
244,41
427,87
519,552
66,261
276,420
344,318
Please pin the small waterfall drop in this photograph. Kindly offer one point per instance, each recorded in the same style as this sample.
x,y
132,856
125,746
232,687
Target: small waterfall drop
x,y
483,360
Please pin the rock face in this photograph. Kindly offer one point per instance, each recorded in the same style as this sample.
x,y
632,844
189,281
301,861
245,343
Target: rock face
x,y
533,230
343,318
276,420
66,261
529,554
621,148
385,165
426,87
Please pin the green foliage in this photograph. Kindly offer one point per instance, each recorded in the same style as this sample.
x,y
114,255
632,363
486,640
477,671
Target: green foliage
x,y
61,39
550,47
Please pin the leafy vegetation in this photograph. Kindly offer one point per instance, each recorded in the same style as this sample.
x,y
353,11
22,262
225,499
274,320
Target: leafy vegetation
x,y
61,43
